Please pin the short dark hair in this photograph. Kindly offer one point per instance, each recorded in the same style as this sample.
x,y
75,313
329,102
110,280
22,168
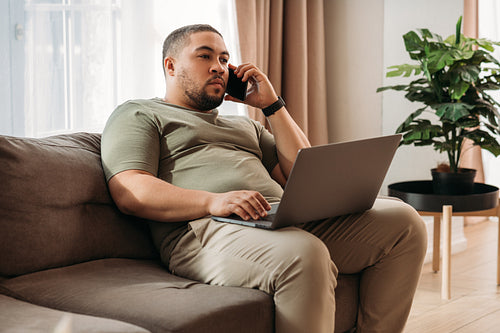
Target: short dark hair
x,y
178,38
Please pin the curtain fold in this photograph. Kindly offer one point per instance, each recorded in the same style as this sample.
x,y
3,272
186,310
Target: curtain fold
x,y
286,40
471,155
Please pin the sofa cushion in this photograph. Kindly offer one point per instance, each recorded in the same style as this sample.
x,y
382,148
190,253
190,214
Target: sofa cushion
x,y
143,293
17,316
55,209
346,302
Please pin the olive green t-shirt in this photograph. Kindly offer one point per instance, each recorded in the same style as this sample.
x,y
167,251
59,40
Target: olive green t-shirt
x,y
189,149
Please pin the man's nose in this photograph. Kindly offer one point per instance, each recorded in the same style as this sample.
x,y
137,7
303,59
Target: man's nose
x,y
218,68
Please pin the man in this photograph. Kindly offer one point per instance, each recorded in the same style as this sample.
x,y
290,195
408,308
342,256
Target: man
x,y
175,161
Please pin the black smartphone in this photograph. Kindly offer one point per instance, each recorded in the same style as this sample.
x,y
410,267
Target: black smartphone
x,y
236,87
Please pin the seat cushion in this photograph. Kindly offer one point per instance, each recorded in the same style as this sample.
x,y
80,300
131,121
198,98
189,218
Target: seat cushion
x,y
346,302
55,208
21,317
143,293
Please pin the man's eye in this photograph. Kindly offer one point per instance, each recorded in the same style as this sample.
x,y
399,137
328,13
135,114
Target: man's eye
x,y
204,56
224,60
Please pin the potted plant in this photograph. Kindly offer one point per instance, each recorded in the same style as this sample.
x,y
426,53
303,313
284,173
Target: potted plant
x,y
453,77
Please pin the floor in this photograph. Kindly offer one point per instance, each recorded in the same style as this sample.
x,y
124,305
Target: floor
x,y
475,303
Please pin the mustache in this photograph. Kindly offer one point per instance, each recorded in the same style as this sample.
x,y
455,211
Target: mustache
x,y
216,77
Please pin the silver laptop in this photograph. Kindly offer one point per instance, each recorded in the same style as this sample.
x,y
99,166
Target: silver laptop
x,y
328,181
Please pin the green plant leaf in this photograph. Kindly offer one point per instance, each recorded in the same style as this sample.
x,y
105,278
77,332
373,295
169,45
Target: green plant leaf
x,y
413,43
485,141
458,89
405,70
458,28
439,59
450,40
428,35
486,110
489,58
418,93
452,111
448,127
483,43
397,87
425,33
442,146
489,82
469,122
420,130
469,73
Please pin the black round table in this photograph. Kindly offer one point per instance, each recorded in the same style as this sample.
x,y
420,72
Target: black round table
x,y
484,201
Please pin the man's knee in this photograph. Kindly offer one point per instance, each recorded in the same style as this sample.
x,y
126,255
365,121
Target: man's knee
x,y
401,216
307,257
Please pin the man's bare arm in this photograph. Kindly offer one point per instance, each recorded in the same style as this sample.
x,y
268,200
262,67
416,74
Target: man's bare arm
x,y
289,139
141,194
288,136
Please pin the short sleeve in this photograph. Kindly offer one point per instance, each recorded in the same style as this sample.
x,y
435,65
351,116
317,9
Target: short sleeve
x,y
130,141
268,148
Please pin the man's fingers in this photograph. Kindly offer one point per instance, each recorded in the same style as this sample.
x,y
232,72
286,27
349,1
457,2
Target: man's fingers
x,y
242,213
246,204
247,210
264,202
251,205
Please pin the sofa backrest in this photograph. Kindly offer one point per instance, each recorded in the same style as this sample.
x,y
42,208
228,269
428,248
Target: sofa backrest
x,y
55,208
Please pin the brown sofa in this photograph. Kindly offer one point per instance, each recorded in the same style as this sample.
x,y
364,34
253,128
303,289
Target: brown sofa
x,y
65,248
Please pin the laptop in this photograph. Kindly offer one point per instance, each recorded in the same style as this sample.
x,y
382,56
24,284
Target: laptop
x,y
328,181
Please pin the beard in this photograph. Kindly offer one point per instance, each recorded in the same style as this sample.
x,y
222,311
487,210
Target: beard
x,y
197,96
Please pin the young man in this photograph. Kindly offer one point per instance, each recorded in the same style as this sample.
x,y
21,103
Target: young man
x,y
175,161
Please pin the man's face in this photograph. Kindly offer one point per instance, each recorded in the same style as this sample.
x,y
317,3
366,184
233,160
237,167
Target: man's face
x,y
202,71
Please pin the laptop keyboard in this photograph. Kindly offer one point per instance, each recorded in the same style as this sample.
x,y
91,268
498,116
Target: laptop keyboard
x,y
269,217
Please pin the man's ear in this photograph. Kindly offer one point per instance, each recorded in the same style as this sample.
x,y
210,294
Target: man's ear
x,y
169,65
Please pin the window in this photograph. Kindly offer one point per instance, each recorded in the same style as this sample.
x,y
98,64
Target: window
x,y
70,64
79,59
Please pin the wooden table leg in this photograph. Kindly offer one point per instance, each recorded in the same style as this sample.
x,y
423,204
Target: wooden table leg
x,y
436,243
445,279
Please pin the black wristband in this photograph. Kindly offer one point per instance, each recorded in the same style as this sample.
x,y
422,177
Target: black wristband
x,y
271,109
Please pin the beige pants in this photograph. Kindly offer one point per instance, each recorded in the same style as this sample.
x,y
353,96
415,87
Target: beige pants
x,y
385,244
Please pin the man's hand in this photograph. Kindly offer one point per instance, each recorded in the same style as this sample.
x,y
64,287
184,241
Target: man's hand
x,y
260,93
245,204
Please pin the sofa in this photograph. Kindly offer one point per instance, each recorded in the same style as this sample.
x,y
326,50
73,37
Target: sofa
x,y
67,254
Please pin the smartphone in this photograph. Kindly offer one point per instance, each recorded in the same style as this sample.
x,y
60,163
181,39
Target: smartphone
x,y
236,87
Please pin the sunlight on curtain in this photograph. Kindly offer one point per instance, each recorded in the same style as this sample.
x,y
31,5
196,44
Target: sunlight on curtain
x,y
489,27
84,57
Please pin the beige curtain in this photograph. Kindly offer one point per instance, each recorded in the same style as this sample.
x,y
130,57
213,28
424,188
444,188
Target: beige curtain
x,y
471,155
286,39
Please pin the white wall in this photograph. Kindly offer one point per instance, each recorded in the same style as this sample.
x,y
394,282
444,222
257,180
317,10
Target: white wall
x,y
354,56
401,16
363,38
